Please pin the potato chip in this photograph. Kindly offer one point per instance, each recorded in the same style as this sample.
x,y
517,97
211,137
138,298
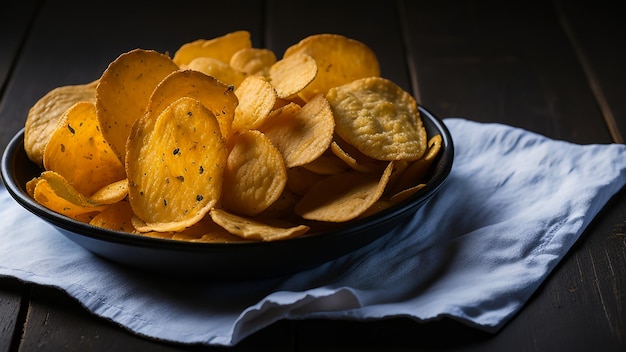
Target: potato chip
x,y
343,197
255,174
327,164
175,166
256,98
292,74
43,117
255,230
206,231
354,158
111,193
253,61
416,172
116,217
379,118
78,151
339,59
219,98
218,69
123,91
301,134
54,192
405,193
282,207
221,48
300,180
375,208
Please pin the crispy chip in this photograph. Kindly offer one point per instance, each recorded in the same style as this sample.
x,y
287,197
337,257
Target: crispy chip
x,y
253,61
218,69
256,98
354,158
111,193
292,74
175,166
254,230
77,151
301,134
43,117
406,193
379,118
343,197
206,231
116,217
340,60
54,192
255,174
415,173
219,98
123,91
300,180
221,48
327,164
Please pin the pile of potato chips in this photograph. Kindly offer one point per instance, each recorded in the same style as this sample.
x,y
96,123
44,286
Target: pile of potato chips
x,y
224,142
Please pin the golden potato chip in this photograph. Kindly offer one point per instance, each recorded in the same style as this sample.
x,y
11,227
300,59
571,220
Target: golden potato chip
x,y
379,118
221,48
339,59
301,134
290,75
43,117
116,217
175,166
406,193
218,69
354,158
327,164
123,92
377,207
255,174
256,98
300,180
253,61
111,193
206,231
255,230
78,151
281,207
55,193
416,172
343,197
216,96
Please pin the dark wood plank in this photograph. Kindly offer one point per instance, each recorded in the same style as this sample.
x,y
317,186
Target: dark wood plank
x,y
15,20
598,32
494,61
12,295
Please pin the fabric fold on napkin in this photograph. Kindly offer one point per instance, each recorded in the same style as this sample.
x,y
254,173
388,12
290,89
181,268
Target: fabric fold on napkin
x,y
514,204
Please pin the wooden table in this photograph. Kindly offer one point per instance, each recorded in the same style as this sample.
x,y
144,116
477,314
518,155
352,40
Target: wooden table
x,y
555,68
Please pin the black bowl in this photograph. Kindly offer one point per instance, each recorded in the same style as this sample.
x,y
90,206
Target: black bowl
x,y
225,261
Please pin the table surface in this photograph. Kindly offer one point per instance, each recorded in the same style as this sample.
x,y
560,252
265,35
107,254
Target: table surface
x,y
556,68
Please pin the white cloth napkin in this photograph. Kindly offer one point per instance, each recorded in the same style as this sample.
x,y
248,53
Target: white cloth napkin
x,y
513,205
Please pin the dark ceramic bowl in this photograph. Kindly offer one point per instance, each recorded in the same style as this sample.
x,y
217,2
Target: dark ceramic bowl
x,y
229,261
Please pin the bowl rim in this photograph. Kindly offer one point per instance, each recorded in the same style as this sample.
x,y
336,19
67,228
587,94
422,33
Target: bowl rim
x,y
19,194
